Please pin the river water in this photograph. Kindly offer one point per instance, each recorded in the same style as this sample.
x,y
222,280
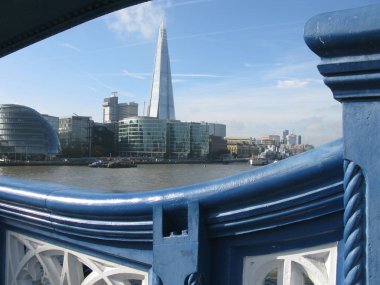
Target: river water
x,y
141,178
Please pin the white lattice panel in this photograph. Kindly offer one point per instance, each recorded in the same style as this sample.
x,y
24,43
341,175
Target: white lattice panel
x,y
34,262
310,266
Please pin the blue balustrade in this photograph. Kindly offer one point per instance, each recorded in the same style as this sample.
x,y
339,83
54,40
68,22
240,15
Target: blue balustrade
x,y
309,218
196,232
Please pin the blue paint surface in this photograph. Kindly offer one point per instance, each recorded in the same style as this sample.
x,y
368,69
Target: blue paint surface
x,y
196,230
348,43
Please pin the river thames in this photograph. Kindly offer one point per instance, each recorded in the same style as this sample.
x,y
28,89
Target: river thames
x,y
142,178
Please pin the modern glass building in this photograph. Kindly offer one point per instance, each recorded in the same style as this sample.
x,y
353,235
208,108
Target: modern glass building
x,y
102,141
199,140
147,137
178,140
25,134
142,137
75,135
161,103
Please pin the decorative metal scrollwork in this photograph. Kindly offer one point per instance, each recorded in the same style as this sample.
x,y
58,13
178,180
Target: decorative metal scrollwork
x,y
32,261
194,279
354,224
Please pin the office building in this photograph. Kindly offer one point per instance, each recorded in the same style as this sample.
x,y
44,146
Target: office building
x,y
199,140
75,135
218,130
161,103
178,140
142,137
25,134
113,111
114,129
242,147
291,139
126,110
102,141
284,134
151,138
242,140
217,147
110,108
270,140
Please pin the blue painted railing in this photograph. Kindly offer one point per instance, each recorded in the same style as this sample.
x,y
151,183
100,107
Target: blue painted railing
x,y
259,208
203,233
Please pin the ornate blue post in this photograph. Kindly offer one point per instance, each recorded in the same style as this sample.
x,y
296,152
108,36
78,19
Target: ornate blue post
x,y
179,253
348,43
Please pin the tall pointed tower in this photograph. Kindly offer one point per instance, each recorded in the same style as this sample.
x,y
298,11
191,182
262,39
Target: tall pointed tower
x,y
161,104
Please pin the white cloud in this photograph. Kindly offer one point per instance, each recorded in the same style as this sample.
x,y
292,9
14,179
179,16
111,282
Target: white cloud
x,y
142,20
292,83
70,46
135,75
310,111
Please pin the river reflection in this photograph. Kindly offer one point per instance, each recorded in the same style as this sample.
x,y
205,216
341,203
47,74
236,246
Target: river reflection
x,y
143,177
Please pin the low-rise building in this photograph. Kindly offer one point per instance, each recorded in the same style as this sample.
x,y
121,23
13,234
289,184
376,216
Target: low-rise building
x,y
242,147
102,141
152,138
217,147
217,130
178,140
142,137
199,136
270,140
75,135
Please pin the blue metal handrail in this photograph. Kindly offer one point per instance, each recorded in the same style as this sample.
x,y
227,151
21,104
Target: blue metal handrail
x,y
299,188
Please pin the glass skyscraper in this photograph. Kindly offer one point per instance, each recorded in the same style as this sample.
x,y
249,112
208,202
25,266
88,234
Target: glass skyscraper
x,y
25,134
161,104
159,135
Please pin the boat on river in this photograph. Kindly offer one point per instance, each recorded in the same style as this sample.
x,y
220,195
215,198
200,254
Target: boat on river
x,y
112,164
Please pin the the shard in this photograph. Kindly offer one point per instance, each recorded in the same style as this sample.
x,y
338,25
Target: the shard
x,y
161,104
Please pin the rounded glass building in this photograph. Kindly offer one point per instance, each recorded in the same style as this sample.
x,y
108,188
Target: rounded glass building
x,y
142,137
25,134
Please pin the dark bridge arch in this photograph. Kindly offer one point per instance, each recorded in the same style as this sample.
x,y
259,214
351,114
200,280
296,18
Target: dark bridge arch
x,y
25,22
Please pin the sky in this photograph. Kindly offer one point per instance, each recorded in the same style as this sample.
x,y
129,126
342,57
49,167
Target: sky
x,y
242,63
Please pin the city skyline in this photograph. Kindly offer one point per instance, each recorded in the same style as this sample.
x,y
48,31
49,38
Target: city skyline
x,y
250,70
